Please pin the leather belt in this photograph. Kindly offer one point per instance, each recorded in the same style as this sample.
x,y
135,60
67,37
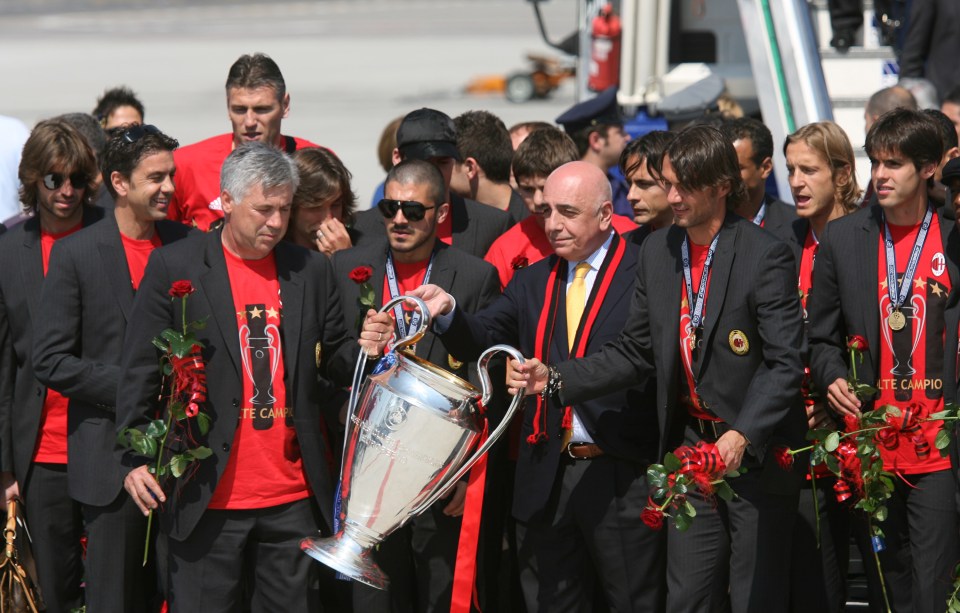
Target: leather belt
x,y
708,429
583,451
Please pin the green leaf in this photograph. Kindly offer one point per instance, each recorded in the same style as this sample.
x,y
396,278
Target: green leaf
x,y
682,522
833,465
891,410
832,442
179,464
881,514
671,463
200,453
940,415
156,429
943,439
817,434
159,344
688,509
724,491
203,423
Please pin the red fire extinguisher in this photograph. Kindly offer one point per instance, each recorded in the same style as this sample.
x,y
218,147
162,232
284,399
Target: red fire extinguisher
x,y
604,50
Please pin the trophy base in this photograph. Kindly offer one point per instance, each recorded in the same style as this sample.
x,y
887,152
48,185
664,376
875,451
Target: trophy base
x,y
344,555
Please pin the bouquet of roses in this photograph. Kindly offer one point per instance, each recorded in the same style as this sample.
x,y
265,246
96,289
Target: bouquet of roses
x,y
169,440
685,470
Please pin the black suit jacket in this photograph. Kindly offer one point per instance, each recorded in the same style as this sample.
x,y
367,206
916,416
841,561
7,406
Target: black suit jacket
x,y
932,44
623,423
843,300
84,306
473,282
781,220
475,225
21,395
311,315
753,289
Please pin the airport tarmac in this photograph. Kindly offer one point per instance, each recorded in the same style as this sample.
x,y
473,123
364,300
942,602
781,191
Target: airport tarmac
x,y
350,65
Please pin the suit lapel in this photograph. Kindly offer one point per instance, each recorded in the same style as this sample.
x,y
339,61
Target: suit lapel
x,y
444,276
664,291
115,267
723,261
949,234
216,289
31,263
867,262
291,301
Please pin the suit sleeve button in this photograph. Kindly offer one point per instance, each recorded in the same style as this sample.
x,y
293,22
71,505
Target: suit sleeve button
x,y
236,402
226,447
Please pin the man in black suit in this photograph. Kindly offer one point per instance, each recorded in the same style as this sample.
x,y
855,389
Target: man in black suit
x,y
580,485
430,135
84,305
57,173
754,145
235,524
639,164
885,273
716,316
419,558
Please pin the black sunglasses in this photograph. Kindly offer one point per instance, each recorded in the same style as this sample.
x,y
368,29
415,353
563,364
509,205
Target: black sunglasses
x,y
54,180
135,133
412,210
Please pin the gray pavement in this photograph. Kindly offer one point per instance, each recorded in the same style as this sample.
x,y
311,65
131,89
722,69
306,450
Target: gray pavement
x,y
350,65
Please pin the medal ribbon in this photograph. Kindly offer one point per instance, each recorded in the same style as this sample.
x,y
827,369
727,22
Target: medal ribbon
x,y
758,218
395,292
696,308
898,295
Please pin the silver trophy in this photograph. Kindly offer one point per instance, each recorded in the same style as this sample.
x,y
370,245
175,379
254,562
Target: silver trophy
x,y
413,434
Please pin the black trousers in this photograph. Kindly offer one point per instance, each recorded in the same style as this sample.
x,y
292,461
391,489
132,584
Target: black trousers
x,y
818,575
232,556
56,525
116,579
588,549
419,559
736,555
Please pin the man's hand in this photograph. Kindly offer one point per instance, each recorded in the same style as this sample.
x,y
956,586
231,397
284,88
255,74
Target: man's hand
x,y
530,377
144,489
454,508
11,489
332,237
731,446
377,328
438,301
817,416
842,400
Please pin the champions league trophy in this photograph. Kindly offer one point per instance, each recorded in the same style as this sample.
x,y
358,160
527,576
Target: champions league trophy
x,y
413,434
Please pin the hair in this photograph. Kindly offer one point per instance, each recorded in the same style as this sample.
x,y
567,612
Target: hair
x,y
647,150
953,95
890,98
55,144
747,128
912,133
89,127
947,132
485,138
255,71
388,142
703,158
529,126
830,142
323,175
542,152
112,99
255,163
420,172
123,157
581,136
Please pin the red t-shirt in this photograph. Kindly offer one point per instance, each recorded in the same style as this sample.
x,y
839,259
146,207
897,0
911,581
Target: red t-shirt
x,y
525,244
196,196
51,447
265,468
690,399
138,252
911,359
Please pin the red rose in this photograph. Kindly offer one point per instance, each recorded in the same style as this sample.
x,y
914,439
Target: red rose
x,y
181,288
783,457
652,518
519,262
851,423
191,410
857,343
361,274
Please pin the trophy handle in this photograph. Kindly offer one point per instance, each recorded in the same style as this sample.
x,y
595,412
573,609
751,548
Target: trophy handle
x,y
413,337
482,363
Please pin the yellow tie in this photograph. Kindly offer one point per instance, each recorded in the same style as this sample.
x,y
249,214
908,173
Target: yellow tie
x,y
576,300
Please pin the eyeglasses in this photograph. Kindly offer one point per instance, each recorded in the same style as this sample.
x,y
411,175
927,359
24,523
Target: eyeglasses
x,y
135,133
54,180
412,210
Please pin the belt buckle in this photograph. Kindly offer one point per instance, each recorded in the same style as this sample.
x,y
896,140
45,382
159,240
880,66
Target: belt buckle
x,y
712,427
569,450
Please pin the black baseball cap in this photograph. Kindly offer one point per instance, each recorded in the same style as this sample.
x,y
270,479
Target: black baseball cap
x,y
951,172
427,133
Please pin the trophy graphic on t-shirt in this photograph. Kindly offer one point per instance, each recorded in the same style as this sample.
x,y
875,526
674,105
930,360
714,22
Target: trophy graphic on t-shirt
x,y
260,352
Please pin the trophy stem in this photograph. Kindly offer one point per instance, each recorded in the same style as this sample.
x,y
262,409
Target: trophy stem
x,y
345,553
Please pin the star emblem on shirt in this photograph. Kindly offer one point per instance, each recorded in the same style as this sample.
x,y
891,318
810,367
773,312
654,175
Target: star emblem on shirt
x,y
919,284
272,313
883,284
256,312
936,289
